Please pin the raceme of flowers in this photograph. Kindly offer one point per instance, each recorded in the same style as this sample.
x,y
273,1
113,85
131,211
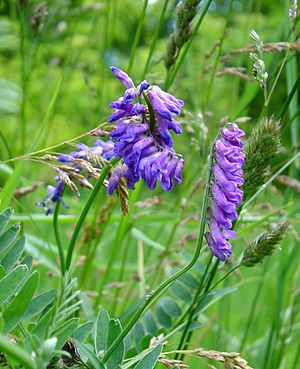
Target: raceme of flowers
x,y
226,194
141,139
75,161
142,135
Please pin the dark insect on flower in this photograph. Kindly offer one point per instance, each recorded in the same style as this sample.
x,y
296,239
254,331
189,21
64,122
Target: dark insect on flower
x,y
226,196
142,135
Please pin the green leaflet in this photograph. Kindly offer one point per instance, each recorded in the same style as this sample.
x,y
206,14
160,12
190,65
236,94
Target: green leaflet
x,y
101,331
149,361
12,256
10,282
19,305
117,356
39,303
64,331
94,362
82,331
8,237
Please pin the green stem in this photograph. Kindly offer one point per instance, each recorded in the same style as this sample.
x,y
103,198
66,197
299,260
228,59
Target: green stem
x,y
137,36
151,298
155,38
115,247
192,308
220,48
206,292
85,211
58,239
171,76
290,97
251,315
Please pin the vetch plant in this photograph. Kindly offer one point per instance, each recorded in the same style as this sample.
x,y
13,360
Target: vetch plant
x,y
181,273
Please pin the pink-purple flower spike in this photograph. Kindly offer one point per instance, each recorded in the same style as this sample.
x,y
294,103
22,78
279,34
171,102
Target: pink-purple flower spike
x,y
226,196
145,152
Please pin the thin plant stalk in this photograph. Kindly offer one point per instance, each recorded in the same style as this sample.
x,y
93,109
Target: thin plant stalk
x,y
125,229
173,72
193,307
155,37
151,298
58,239
251,314
220,48
85,211
49,148
137,36
206,292
115,247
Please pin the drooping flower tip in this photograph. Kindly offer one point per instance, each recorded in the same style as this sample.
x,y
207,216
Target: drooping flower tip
x,y
123,77
226,196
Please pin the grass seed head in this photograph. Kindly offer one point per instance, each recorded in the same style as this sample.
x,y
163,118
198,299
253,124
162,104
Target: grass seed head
x,y
266,244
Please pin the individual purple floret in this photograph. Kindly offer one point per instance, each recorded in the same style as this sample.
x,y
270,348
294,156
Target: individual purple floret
x,y
142,135
53,195
226,196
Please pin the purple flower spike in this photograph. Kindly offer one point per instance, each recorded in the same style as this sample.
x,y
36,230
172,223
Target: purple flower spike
x,y
226,196
145,149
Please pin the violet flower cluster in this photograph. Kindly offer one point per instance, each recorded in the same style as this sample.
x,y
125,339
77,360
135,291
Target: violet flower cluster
x,y
141,139
226,194
55,193
142,135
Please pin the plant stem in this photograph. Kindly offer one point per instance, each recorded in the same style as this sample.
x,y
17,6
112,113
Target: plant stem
x,y
137,37
151,298
251,315
171,76
155,38
85,211
58,239
192,308
220,47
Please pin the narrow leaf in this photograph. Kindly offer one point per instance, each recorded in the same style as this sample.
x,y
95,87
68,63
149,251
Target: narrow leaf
x,y
10,282
117,356
39,303
8,236
101,331
212,297
136,233
149,361
82,332
16,310
150,323
65,331
95,362
163,318
179,290
170,306
12,256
